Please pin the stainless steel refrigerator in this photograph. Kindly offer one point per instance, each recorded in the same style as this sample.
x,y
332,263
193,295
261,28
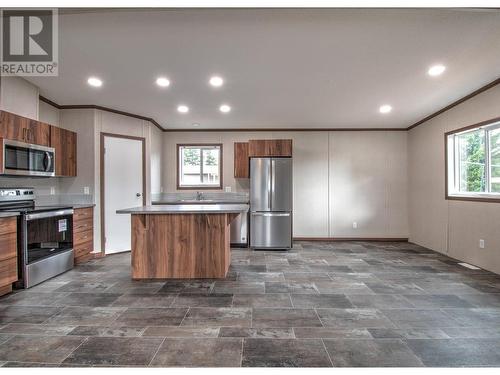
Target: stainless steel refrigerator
x,y
271,197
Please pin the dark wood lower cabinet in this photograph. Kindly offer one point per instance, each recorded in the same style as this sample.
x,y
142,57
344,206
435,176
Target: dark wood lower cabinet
x,y
8,254
83,234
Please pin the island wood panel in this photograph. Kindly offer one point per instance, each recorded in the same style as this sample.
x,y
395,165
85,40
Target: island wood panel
x,y
241,161
180,245
270,148
64,143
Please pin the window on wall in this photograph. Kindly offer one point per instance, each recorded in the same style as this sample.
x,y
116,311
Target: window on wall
x,y
199,166
473,162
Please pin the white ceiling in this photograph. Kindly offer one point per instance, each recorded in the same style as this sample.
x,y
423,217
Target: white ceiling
x,y
324,68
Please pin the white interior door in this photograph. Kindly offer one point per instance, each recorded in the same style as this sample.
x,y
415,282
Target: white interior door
x,y
122,189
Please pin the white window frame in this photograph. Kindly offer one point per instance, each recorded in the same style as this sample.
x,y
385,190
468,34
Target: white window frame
x,y
453,164
201,147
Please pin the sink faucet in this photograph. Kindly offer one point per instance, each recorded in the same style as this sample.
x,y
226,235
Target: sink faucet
x,y
199,195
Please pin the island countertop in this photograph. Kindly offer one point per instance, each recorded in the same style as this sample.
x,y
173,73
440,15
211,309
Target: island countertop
x,y
186,209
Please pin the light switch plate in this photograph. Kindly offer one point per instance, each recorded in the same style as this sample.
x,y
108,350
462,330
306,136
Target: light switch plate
x,y
481,244
86,190
52,190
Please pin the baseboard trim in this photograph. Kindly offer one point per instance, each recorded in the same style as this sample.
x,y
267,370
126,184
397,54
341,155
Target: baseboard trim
x,y
333,239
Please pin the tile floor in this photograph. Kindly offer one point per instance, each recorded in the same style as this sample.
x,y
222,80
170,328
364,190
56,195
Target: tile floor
x,y
321,304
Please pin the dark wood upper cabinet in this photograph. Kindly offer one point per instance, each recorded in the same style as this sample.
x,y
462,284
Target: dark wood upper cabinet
x,y
270,148
64,143
241,161
23,129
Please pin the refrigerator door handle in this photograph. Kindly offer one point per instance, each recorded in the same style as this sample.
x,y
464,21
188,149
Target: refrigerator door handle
x,y
270,187
274,214
273,180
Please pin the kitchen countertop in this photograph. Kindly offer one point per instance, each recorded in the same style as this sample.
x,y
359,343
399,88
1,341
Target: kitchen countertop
x,y
78,205
201,201
186,209
8,214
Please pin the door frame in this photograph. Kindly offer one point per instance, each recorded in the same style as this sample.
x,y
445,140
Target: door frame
x,y
102,179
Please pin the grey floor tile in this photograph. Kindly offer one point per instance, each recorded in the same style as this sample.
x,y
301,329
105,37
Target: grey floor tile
x,y
187,286
218,317
482,300
88,299
185,352
260,276
437,301
457,352
265,333
207,300
320,300
239,287
276,318
107,331
187,332
26,314
418,318
380,301
151,316
415,333
395,288
331,333
473,332
124,351
344,287
140,300
85,316
52,349
28,298
291,287
371,353
262,300
284,353
354,318
36,329
477,317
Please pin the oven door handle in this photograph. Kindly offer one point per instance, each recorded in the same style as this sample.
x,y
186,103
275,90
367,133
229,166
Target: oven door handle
x,y
44,215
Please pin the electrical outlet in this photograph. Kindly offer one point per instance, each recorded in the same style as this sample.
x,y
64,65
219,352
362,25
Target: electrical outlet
x,y
86,190
354,225
228,189
52,190
161,189
481,244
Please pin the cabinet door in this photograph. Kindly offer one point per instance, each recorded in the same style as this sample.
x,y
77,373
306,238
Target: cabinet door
x,y
13,127
270,148
23,129
64,143
38,133
241,162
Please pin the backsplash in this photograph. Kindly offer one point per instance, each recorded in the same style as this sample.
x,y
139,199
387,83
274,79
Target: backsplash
x,y
168,197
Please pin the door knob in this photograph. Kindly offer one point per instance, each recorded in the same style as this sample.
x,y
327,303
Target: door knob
x,y
138,194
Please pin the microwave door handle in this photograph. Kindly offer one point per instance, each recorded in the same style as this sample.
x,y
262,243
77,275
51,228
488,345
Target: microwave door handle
x,y
47,161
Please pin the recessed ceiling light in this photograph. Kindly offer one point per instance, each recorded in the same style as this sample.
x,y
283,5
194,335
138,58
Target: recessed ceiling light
x,y
225,108
162,82
183,109
386,108
94,81
436,70
216,81
196,124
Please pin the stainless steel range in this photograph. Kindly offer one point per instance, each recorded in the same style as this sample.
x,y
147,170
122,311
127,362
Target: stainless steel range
x,y
44,236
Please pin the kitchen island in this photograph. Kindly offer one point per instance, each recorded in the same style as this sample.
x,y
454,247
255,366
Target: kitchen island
x,y
181,241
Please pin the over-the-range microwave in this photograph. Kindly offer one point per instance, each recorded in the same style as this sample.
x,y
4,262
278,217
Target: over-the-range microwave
x,y
25,159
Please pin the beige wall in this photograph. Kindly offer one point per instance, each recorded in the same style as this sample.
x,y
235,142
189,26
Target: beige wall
x,y
451,227
19,96
338,178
